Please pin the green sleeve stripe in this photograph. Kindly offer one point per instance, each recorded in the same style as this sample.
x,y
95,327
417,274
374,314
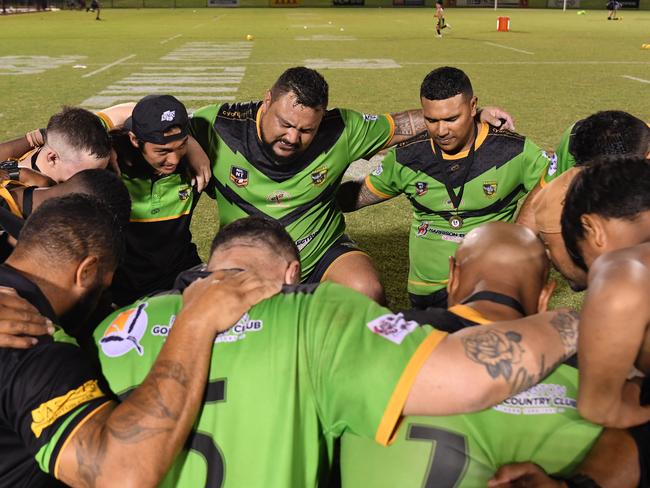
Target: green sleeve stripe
x,y
46,457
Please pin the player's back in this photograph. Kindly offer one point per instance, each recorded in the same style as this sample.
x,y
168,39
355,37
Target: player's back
x,y
540,425
281,383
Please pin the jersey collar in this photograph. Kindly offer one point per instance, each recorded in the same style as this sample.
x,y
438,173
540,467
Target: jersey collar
x,y
480,138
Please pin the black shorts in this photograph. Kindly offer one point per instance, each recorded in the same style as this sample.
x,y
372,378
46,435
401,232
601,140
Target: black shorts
x,y
341,246
437,299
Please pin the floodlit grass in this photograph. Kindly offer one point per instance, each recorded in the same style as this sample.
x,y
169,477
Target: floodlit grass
x,y
560,68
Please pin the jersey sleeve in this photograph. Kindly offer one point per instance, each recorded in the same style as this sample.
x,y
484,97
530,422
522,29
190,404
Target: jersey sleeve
x,y
535,164
366,134
51,391
363,360
202,129
105,120
564,158
385,180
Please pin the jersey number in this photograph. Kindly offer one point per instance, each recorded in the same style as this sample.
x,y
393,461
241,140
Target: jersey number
x,y
204,444
448,457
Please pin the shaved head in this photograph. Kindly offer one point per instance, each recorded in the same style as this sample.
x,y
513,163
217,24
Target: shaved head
x,y
500,257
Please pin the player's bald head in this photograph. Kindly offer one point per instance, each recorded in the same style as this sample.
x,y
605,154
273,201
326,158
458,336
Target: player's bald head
x,y
503,257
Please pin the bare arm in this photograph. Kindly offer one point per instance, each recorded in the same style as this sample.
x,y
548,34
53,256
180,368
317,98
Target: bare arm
x,y
199,163
119,113
355,194
15,148
152,424
411,122
498,360
612,463
526,214
612,328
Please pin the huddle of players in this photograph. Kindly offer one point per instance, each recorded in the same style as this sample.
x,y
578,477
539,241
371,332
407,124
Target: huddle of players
x,y
276,141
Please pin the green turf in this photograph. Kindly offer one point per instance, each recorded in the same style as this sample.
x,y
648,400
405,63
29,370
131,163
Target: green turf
x,y
576,67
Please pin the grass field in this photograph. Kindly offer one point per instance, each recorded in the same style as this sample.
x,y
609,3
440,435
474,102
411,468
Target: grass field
x,y
553,68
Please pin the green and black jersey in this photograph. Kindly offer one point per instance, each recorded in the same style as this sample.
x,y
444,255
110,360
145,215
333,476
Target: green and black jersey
x,y
505,167
292,375
301,196
159,241
541,425
45,393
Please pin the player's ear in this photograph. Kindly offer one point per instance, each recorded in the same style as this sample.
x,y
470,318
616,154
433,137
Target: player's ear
x,y
87,272
267,100
51,156
545,296
473,104
454,281
134,140
292,273
594,230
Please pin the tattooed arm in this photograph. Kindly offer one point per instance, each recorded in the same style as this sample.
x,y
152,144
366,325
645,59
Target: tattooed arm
x,y
355,194
411,122
477,368
135,442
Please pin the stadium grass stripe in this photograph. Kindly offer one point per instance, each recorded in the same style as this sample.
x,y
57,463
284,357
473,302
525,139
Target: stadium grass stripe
x,y
171,38
508,47
108,66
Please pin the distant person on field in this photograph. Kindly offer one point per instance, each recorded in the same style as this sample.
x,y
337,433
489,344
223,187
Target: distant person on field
x,y
613,6
440,19
94,6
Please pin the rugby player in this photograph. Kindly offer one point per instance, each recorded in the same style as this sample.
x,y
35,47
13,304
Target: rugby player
x,y
499,272
301,368
152,157
284,158
75,140
603,134
55,411
457,175
440,19
606,230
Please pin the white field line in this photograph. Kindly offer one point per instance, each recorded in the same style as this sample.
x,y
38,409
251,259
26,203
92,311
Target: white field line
x,y
104,68
635,79
171,38
197,26
508,47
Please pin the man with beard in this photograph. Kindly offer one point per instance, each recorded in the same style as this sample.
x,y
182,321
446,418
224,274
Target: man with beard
x,y
284,158
56,414
300,369
457,175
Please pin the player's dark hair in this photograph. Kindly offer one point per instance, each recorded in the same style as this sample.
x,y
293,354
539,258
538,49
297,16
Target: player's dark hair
x,y
267,232
71,228
81,130
609,133
614,188
105,186
308,85
445,82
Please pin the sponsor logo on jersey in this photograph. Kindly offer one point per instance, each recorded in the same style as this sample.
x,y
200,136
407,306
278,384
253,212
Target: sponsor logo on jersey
x,y
370,117
163,330
392,327
318,177
278,198
544,398
184,194
125,332
239,176
552,164
238,331
168,116
425,228
378,170
421,188
490,189
302,243
48,412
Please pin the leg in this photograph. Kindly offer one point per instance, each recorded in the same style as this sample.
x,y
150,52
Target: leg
x,y
355,270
